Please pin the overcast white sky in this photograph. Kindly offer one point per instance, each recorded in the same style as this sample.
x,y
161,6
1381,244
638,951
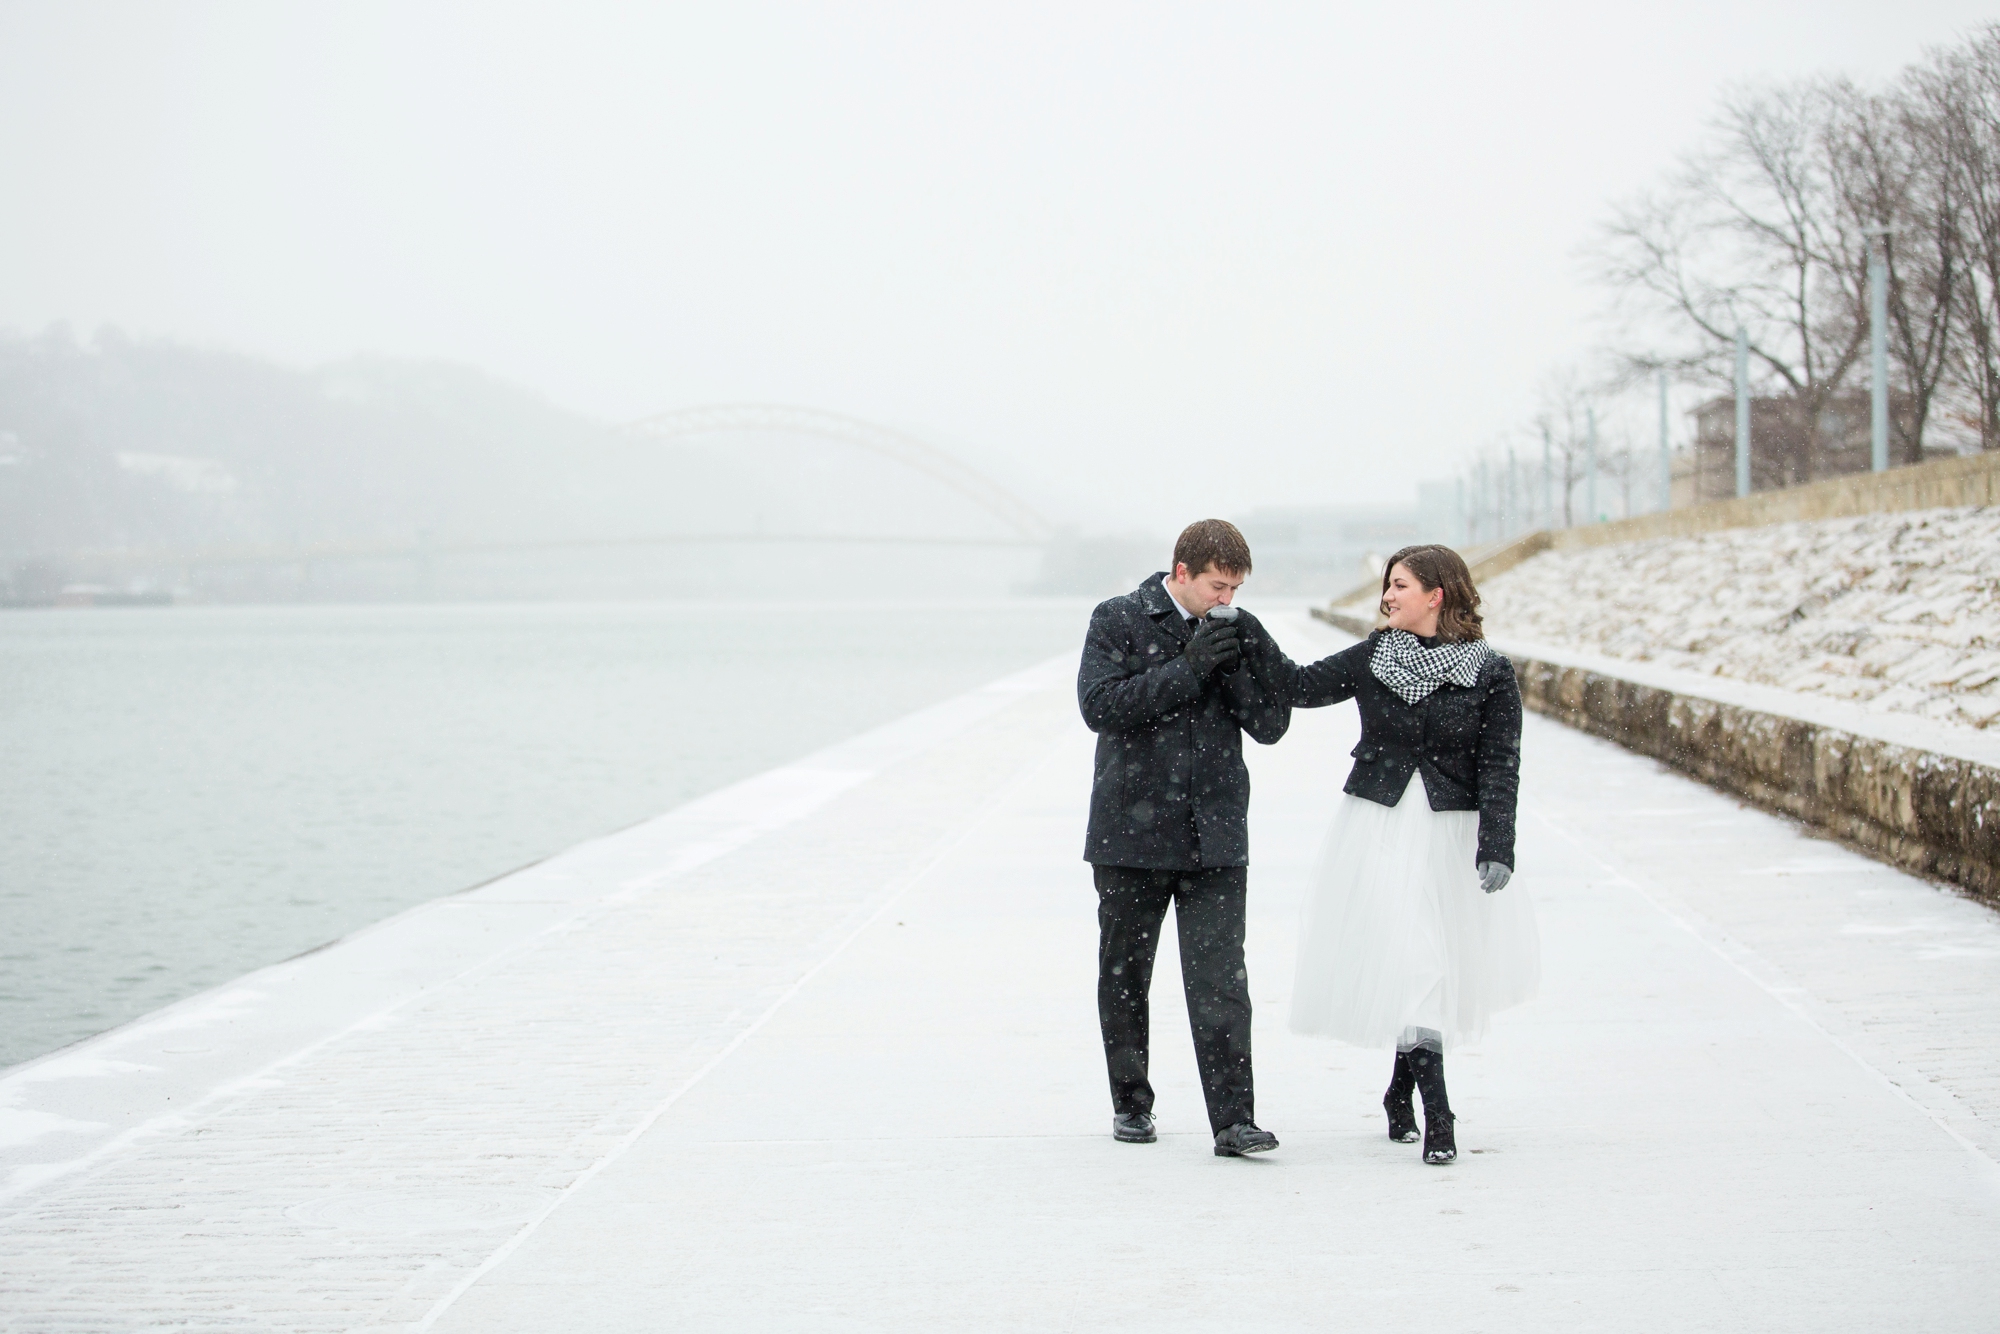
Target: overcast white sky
x,y
1141,261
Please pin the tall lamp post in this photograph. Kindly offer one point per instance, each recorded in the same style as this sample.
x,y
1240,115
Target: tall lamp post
x,y
1514,524
1666,454
1548,479
1878,344
1482,500
1590,485
1742,411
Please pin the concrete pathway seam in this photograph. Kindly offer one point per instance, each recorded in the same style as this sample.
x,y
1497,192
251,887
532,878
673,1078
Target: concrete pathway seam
x,y
696,834
660,1109
1761,973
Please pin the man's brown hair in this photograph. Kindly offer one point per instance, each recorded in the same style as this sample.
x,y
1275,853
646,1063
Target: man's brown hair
x,y
1212,542
1441,567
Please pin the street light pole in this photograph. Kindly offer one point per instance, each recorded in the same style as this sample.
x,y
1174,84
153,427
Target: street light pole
x,y
1513,495
1548,480
1590,486
1878,345
1482,498
1742,411
1666,455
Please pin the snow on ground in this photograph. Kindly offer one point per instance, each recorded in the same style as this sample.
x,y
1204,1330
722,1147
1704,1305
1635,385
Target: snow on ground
x,y
823,1056
1897,612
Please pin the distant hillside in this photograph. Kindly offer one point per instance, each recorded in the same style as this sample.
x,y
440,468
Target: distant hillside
x,y
118,442
115,443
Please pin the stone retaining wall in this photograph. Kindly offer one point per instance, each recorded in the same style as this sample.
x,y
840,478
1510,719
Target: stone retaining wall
x,y
1932,814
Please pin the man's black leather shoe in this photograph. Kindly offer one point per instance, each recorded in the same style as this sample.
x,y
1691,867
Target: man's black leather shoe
x,y
1133,1128
1243,1138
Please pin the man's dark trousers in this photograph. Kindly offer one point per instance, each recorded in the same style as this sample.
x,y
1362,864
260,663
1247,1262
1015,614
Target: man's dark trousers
x,y
1208,910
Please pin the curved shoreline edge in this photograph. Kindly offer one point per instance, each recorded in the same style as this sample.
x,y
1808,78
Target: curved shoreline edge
x,y
71,1108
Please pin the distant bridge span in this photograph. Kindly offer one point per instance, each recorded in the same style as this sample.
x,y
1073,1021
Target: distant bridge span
x,y
125,560
907,450
1026,526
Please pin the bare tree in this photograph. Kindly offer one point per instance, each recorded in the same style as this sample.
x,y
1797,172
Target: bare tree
x,y
1887,159
1751,233
1956,96
1622,467
1767,228
1564,422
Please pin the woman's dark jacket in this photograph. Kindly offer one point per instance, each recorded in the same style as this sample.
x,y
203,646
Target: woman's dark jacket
x,y
1466,739
1170,790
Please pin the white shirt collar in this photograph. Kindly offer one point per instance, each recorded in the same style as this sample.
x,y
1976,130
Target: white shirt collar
x,y
1185,613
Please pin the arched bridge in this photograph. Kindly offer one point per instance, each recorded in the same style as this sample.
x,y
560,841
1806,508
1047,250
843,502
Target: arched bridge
x,y
907,450
1025,526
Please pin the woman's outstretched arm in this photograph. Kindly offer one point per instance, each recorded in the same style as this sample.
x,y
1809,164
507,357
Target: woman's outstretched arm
x,y
1308,685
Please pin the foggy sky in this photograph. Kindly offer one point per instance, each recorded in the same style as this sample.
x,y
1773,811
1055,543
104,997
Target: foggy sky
x,y
1140,261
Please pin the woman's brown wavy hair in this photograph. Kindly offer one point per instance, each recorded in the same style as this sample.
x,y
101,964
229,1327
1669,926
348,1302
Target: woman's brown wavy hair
x,y
1440,567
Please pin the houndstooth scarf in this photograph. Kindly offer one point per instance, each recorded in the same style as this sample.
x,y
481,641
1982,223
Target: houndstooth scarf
x,y
1403,664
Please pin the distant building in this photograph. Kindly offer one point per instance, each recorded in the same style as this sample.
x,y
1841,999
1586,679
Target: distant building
x,y
1326,550
1789,447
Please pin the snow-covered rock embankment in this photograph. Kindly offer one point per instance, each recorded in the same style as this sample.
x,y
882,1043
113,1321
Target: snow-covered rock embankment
x,y
1897,612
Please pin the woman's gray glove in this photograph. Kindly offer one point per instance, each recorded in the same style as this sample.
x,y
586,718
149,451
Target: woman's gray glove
x,y
1214,645
1493,877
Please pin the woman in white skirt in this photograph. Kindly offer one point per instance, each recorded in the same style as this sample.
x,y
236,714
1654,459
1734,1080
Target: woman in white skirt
x,y
1406,938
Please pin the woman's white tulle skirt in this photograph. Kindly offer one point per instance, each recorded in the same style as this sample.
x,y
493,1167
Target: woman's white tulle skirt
x,y
1397,934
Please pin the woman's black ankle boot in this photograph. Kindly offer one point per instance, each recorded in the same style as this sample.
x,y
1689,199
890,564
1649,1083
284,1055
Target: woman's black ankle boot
x,y
1440,1144
1396,1102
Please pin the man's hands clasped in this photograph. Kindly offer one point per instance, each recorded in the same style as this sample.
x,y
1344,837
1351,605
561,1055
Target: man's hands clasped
x,y
1214,647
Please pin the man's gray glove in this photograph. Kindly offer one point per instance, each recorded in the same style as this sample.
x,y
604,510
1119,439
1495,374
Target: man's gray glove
x,y
1213,646
1493,877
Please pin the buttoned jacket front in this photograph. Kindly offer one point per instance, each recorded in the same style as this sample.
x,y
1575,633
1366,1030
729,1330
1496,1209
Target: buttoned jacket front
x,y
1465,739
1170,790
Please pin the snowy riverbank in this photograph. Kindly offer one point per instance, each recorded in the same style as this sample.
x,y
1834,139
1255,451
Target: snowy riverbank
x,y
818,1052
1899,613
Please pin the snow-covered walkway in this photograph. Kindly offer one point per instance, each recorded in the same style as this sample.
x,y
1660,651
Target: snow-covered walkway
x,y
821,1055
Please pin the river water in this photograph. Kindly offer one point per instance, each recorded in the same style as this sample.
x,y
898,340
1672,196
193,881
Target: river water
x,y
190,793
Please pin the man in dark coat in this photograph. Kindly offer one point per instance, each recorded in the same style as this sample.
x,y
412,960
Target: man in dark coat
x,y
1162,686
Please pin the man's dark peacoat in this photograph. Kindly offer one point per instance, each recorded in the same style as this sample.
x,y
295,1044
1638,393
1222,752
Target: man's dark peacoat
x,y
1466,739
1171,791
